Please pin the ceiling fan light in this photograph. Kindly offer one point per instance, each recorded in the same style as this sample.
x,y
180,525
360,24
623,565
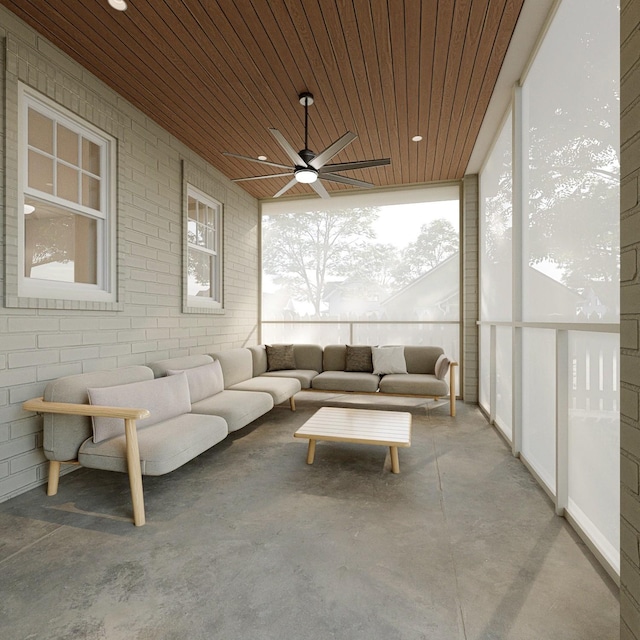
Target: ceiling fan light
x,y
118,5
306,176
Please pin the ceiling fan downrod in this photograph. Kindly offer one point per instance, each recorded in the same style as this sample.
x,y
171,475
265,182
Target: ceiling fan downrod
x,y
306,99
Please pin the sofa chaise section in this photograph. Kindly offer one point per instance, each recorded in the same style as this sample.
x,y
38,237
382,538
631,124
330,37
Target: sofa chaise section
x,y
237,407
171,436
237,367
307,358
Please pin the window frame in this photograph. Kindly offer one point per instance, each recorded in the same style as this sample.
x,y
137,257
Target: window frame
x,y
105,288
215,302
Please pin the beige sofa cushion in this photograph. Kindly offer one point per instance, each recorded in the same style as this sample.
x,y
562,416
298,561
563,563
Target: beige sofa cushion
x,y
204,381
164,398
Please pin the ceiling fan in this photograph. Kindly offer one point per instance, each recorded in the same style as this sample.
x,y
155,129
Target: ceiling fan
x,y
309,168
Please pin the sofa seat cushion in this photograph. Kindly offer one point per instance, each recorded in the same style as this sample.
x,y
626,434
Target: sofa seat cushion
x,y
238,408
419,384
164,446
303,376
346,381
280,388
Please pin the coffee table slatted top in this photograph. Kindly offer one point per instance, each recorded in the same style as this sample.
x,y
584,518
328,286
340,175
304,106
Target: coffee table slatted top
x,y
337,424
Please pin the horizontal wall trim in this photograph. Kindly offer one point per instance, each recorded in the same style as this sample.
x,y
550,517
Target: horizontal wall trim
x,y
602,327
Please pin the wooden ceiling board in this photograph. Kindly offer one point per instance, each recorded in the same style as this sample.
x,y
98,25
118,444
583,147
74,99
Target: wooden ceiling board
x,y
218,73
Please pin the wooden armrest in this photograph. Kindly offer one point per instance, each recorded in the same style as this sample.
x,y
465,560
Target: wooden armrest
x,y
42,406
131,437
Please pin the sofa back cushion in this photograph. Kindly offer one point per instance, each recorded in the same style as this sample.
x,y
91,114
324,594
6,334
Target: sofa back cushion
x,y
165,398
204,381
421,359
161,368
63,434
237,365
307,357
334,357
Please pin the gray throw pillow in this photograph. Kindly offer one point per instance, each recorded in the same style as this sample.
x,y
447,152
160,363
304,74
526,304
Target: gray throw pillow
x,y
280,357
164,398
442,366
388,360
204,381
358,358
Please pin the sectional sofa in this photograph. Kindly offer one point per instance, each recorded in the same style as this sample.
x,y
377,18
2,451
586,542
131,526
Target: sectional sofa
x,y
150,420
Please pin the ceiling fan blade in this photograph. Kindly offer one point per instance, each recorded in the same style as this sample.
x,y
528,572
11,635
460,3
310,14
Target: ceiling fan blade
x,y
345,180
347,166
286,188
271,164
291,152
271,175
332,150
318,187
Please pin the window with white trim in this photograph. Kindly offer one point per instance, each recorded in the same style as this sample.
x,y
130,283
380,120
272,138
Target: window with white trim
x,y
66,222
204,250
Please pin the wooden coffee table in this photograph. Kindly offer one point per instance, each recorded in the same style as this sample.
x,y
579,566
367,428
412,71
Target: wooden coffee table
x,y
336,424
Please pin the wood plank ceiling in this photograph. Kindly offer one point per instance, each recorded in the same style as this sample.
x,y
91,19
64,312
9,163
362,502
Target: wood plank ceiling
x,y
218,73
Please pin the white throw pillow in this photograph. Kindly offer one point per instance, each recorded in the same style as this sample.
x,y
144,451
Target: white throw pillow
x,y
388,360
204,381
164,398
442,366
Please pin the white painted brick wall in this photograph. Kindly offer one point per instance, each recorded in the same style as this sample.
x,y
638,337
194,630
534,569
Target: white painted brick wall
x,y
470,287
39,344
630,304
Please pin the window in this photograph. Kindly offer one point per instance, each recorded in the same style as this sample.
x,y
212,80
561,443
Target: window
x,y
204,250
363,268
66,223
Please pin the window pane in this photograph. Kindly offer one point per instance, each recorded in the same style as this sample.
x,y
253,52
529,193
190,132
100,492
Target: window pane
x,y
495,230
67,145
40,172
571,232
594,438
59,245
90,157
389,262
91,192
199,274
67,182
40,132
539,402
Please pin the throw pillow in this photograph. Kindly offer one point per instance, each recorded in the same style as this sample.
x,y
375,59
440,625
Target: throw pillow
x,y
442,366
358,358
388,360
279,357
164,398
204,381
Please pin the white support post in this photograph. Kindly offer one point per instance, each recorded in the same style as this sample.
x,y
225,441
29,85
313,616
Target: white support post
x,y
562,421
493,395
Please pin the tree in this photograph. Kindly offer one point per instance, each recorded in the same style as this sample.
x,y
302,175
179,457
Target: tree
x,y
436,242
305,250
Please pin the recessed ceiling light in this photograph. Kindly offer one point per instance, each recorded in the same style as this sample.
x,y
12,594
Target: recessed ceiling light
x,y
28,208
416,138
118,5
262,157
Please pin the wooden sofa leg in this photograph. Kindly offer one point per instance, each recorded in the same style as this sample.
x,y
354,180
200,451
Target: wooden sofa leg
x,y
54,477
135,473
452,388
292,402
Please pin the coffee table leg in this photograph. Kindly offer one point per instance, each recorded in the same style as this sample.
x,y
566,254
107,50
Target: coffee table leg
x,y
311,452
395,463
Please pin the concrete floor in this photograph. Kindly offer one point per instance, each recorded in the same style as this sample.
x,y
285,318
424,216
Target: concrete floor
x,y
248,541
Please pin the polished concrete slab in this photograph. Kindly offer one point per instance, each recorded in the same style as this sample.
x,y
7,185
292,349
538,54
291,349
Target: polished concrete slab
x,y
248,541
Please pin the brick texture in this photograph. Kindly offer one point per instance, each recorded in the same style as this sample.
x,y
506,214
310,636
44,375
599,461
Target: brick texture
x,y
630,314
470,288
41,341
